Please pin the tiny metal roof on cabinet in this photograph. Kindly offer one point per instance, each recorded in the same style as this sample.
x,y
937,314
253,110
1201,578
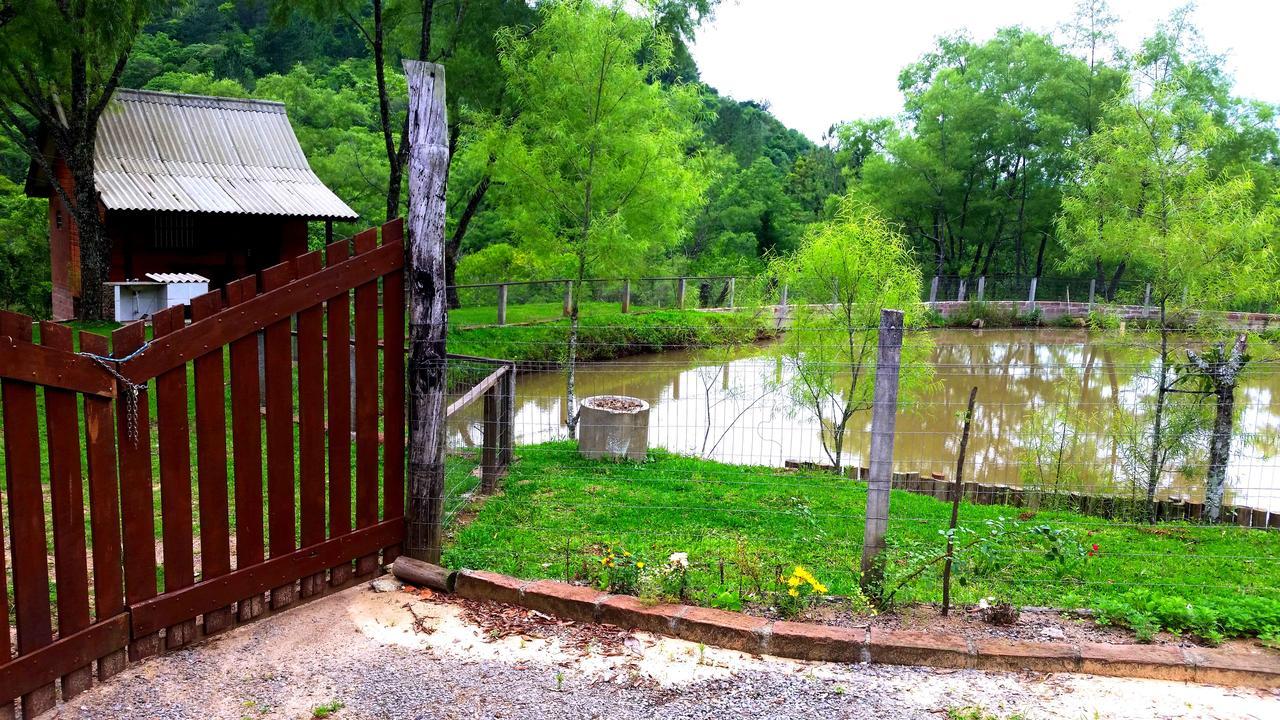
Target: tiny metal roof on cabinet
x,y
191,153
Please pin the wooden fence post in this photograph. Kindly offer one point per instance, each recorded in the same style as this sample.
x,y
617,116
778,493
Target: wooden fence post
x,y
731,284
960,293
1031,297
568,298
626,296
428,164
506,430
884,414
933,291
489,451
1146,299
502,304
681,286
982,287
1093,288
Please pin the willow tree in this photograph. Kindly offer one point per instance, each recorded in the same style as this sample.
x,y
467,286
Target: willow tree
x,y
1152,199
61,63
852,267
596,164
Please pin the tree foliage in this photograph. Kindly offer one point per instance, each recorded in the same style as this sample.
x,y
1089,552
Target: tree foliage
x,y
849,269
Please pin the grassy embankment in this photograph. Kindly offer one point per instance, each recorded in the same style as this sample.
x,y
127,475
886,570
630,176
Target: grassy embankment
x,y
608,335
742,525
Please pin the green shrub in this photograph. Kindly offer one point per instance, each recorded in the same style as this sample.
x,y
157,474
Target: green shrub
x,y
1213,619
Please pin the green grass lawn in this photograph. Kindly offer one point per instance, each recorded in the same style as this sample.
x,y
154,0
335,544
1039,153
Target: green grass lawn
x,y
742,525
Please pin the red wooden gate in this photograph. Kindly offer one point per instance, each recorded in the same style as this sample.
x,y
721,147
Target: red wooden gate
x,y
252,405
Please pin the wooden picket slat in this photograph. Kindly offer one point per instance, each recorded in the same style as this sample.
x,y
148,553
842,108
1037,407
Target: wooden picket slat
x,y
211,464
133,435
26,517
393,384
104,511
366,401
6,648
66,499
246,439
338,357
278,372
174,441
311,423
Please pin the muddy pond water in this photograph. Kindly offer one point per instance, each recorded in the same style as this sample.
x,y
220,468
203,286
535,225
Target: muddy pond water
x,y
1056,408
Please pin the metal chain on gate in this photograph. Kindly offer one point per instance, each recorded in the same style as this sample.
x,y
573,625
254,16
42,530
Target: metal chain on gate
x,y
131,389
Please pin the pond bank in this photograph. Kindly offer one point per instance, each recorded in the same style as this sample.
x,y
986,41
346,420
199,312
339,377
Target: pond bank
x,y
542,346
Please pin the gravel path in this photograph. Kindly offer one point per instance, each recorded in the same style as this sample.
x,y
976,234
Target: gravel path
x,y
393,656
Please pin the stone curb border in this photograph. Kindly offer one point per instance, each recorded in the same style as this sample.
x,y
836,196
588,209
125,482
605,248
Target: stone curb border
x,y
805,641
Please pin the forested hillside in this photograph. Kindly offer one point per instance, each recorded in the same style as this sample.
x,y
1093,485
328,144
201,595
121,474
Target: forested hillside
x,y
974,170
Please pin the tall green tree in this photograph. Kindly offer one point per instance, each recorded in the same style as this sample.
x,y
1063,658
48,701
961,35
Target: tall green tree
x,y
1152,199
974,172
62,62
596,163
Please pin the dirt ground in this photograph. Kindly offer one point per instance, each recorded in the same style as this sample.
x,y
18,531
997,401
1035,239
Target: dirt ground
x,y
361,654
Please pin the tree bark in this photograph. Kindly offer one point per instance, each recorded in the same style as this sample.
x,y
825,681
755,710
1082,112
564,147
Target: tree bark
x,y
454,246
956,491
1223,373
1154,465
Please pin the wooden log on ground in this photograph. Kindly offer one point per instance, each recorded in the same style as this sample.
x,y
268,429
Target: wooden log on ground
x,y
423,574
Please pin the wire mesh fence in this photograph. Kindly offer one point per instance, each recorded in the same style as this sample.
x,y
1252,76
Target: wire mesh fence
x,y
1080,489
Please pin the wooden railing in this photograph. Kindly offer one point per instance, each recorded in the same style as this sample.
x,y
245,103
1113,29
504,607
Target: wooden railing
x,y
498,391
681,290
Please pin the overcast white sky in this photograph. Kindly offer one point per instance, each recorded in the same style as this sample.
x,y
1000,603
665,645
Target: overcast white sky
x,y
817,62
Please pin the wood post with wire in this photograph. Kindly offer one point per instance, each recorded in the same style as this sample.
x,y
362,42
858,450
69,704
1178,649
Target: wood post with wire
x,y
428,165
883,421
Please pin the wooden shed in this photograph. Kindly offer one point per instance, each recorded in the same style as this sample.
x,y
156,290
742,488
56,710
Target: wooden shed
x,y
218,187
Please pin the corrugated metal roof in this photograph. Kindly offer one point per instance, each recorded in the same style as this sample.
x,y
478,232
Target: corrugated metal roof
x,y
189,153
178,278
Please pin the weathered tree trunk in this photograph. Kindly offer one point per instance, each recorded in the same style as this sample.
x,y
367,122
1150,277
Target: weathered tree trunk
x,y
1114,285
1223,372
428,162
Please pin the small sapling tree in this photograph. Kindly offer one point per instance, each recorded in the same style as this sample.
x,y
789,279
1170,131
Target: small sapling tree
x,y
862,264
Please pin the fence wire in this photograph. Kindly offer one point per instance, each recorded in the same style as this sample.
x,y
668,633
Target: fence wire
x,y
1071,498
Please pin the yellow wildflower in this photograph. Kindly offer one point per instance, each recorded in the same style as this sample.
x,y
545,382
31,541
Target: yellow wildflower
x,y
639,565
793,592
793,581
